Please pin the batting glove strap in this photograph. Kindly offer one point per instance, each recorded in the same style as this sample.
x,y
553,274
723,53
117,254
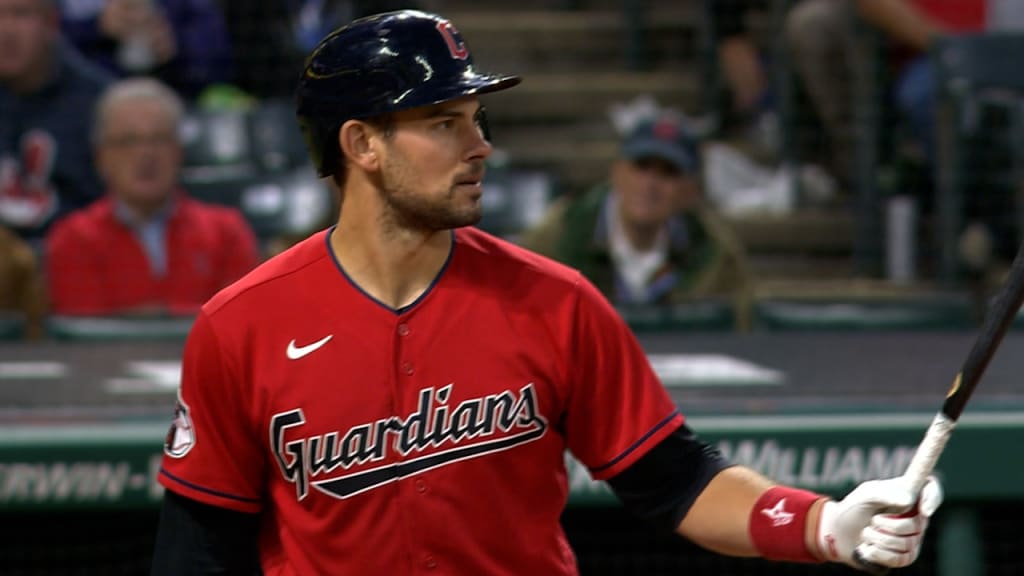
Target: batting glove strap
x,y
778,524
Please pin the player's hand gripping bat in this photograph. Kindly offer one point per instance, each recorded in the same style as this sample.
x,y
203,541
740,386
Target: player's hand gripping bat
x,y
997,321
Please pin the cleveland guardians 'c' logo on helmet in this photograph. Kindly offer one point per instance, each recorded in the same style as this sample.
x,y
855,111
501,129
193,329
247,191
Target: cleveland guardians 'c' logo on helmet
x,y
380,64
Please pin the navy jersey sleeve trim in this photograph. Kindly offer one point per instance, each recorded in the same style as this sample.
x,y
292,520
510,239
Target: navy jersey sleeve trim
x,y
206,490
663,484
636,444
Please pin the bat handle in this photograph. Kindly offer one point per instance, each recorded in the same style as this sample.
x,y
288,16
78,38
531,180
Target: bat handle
x,y
928,452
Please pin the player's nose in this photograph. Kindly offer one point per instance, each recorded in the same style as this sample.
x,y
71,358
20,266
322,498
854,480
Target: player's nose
x,y
478,147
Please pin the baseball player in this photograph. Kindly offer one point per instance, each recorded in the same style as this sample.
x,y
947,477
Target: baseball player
x,y
395,394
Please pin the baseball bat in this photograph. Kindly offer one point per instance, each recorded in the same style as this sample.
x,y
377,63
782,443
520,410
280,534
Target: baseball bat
x,y
997,321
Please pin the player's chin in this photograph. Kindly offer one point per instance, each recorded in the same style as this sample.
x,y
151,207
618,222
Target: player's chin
x,y
467,218
467,204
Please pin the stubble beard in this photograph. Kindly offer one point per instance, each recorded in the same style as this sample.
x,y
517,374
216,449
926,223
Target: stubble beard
x,y
409,207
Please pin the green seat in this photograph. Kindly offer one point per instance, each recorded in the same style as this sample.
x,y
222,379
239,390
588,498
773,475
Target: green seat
x,y
96,328
702,316
919,313
226,190
12,326
217,145
290,203
275,138
514,200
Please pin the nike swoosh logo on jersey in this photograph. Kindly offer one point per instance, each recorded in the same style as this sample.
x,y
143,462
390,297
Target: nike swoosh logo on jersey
x,y
295,352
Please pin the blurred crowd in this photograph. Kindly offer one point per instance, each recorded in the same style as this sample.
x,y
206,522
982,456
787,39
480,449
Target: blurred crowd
x,y
96,219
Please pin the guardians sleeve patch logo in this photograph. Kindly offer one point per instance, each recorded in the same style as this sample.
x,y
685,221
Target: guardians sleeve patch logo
x,y
181,436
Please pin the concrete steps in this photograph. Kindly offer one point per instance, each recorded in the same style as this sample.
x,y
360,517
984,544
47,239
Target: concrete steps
x,y
534,40
576,63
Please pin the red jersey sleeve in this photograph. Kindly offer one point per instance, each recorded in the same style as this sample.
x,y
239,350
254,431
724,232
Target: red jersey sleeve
x,y
212,453
73,286
617,408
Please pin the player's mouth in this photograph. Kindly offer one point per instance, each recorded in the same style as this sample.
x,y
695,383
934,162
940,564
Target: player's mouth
x,y
473,183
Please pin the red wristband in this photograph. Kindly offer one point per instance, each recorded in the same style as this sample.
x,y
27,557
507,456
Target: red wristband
x,y
778,524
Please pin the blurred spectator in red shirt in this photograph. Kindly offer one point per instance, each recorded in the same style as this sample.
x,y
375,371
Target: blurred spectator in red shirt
x,y
146,247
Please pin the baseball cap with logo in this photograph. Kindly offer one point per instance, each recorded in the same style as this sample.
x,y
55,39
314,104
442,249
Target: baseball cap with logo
x,y
663,137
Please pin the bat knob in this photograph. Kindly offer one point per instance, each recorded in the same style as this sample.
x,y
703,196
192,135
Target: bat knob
x,y
868,566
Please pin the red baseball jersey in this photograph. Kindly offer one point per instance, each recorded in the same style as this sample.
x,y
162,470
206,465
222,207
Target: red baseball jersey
x,y
429,439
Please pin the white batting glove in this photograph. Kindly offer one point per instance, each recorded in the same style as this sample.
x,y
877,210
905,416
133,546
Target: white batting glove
x,y
881,520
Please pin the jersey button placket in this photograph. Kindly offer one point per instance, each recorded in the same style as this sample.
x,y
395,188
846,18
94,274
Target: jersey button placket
x,y
429,562
406,366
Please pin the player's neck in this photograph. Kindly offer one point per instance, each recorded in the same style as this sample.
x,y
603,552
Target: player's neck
x,y
393,266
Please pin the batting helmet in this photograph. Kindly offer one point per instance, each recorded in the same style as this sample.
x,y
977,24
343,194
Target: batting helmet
x,y
380,64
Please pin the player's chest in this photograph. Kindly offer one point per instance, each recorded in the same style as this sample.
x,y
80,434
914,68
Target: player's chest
x,y
348,407
464,378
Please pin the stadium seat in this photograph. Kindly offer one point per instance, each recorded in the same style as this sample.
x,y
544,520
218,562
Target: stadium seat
x,y
226,190
912,314
95,328
700,315
514,200
276,140
290,203
217,145
975,74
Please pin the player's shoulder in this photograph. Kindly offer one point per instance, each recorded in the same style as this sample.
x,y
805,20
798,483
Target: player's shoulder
x,y
489,254
278,274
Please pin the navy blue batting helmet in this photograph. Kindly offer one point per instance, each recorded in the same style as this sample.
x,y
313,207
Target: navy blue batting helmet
x,y
381,64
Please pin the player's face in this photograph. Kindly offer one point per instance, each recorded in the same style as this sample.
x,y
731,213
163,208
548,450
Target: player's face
x,y
651,190
27,27
139,152
433,166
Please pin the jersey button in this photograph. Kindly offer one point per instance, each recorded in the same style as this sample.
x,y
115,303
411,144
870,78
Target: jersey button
x,y
429,562
421,486
403,330
407,368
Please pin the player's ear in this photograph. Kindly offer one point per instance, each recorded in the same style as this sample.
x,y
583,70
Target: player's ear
x,y
357,140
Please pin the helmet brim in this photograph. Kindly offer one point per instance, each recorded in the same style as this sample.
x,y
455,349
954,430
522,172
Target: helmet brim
x,y
477,84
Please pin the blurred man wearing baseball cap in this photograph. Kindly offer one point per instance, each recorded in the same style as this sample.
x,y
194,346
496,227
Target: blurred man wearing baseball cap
x,y
646,236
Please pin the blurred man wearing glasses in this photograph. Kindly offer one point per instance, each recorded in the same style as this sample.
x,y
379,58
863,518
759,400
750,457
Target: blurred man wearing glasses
x,y
146,247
